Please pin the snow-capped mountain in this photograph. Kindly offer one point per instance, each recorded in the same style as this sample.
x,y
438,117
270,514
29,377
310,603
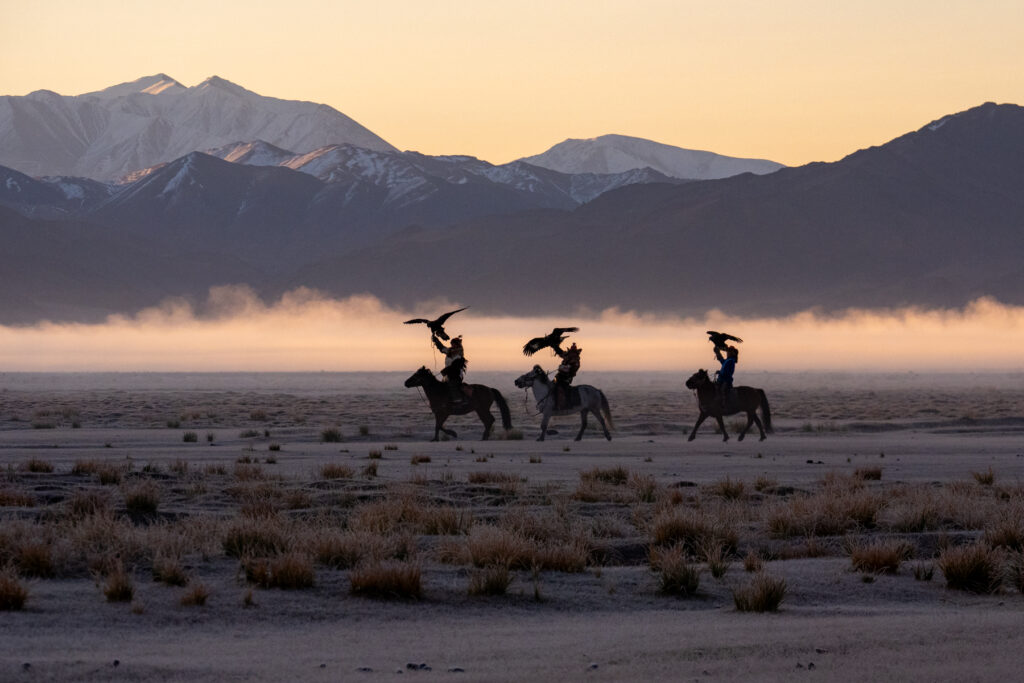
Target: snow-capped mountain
x,y
50,197
153,120
407,177
620,153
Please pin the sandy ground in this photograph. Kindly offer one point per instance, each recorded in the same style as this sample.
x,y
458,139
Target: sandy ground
x,y
608,622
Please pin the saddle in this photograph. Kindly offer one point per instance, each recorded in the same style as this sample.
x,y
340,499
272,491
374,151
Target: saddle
x,y
566,397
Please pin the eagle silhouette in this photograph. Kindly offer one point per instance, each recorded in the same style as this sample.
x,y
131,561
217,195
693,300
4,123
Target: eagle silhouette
x,y
719,339
437,326
553,340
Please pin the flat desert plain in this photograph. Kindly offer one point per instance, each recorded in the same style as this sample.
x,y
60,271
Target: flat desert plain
x,y
301,527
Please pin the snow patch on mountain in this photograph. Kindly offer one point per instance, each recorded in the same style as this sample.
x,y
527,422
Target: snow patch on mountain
x,y
620,153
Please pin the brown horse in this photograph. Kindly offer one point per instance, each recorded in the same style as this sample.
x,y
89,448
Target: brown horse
x,y
742,400
443,405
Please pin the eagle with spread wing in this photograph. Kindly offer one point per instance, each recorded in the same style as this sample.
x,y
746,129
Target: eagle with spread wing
x,y
719,339
553,340
437,326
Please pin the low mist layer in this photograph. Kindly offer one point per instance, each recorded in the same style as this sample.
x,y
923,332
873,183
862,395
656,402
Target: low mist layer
x,y
305,331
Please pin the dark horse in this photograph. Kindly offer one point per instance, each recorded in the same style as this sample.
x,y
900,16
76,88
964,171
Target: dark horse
x,y
742,400
443,405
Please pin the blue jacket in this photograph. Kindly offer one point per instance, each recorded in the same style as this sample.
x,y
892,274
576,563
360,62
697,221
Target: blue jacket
x,y
728,368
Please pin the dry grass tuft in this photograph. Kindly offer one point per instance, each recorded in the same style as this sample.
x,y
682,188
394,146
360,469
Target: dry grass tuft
x,y
13,592
12,498
248,537
1006,532
677,575
196,595
616,476
832,512
923,572
119,587
387,580
168,570
880,556
331,435
752,562
975,568
490,580
419,459
763,594
35,558
292,571
694,529
986,478
490,545
336,471
36,465
142,499
716,557
728,489
868,473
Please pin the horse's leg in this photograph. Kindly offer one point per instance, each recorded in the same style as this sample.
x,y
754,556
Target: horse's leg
x,y
750,421
604,425
721,425
760,426
583,424
700,420
487,419
438,426
544,425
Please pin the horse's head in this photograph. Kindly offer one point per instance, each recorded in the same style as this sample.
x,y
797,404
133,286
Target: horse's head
x,y
526,381
419,377
698,379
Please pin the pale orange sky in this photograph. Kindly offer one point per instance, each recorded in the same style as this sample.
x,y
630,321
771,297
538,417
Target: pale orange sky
x,y
790,80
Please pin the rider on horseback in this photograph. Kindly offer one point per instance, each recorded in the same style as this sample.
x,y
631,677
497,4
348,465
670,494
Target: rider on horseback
x,y
566,372
723,380
454,366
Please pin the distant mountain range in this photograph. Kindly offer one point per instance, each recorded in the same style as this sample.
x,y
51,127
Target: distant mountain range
x,y
618,153
933,218
106,134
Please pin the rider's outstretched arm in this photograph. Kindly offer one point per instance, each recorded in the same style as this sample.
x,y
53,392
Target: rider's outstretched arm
x,y
437,342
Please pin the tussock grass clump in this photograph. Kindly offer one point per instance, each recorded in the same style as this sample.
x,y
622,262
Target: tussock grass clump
x,y
974,568
493,478
880,556
491,580
1015,571
644,487
419,459
986,478
190,437
752,562
764,593
331,435
923,572
119,586
214,469
196,595
716,557
693,529
832,512
291,571
490,545
616,476
336,471
35,558
13,592
142,499
36,465
728,489
370,471
868,473
255,538
764,482
168,570
245,472
109,474
387,580
12,498
179,467
375,454
346,549
85,467
1006,532
677,575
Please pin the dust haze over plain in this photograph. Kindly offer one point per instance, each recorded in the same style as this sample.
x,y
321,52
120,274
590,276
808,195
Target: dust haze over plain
x,y
234,330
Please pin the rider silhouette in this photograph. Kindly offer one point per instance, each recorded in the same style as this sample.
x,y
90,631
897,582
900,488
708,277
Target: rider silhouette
x,y
454,366
566,372
723,381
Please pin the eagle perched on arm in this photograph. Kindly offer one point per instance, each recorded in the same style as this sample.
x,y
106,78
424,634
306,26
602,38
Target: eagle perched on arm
x,y
719,339
437,326
553,340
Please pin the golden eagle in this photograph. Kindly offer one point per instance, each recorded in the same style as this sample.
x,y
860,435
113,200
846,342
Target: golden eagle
x,y
437,326
553,340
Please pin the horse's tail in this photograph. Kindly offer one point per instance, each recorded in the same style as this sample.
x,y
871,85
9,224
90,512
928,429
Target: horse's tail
x,y
506,416
606,409
766,412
